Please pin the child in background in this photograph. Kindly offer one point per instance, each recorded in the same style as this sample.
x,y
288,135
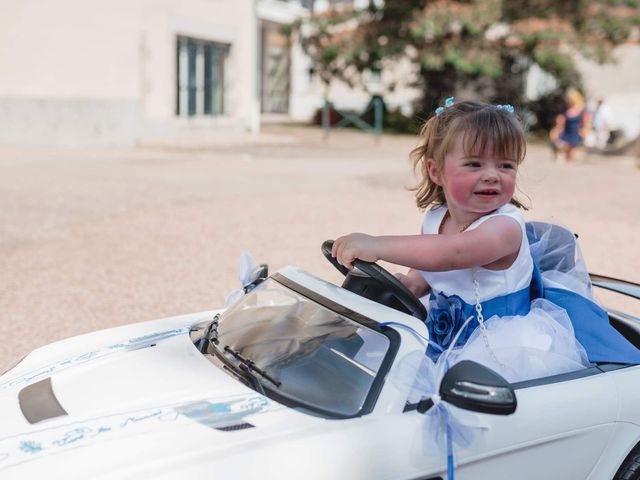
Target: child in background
x,y
473,255
572,127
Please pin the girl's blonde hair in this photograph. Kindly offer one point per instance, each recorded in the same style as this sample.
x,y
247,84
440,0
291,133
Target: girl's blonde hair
x,y
485,129
575,98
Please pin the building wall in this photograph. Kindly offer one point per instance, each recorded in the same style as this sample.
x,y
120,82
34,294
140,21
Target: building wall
x,y
53,49
223,21
61,67
307,93
617,84
278,12
96,73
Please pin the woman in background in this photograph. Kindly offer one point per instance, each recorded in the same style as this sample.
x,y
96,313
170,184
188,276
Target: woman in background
x,y
571,127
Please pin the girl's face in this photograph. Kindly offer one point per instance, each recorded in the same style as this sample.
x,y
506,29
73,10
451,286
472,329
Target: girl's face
x,y
475,184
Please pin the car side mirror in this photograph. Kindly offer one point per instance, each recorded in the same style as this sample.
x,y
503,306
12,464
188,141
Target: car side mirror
x,y
471,386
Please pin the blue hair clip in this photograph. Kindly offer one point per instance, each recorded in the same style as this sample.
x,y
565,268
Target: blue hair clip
x,y
508,107
448,102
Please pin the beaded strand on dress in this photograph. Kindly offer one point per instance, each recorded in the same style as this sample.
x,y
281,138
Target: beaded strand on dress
x,y
476,292
483,328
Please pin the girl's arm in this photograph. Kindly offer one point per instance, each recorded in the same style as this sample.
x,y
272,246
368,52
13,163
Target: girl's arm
x,y
414,280
497,240
558,127
585,128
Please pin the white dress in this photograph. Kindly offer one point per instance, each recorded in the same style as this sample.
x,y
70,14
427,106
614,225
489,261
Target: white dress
x,y
523,339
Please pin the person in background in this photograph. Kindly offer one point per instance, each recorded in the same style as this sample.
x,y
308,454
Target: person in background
x,y
600,136
571,127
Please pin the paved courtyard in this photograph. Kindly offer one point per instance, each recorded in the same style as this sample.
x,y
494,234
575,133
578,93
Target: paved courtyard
x,y
94,239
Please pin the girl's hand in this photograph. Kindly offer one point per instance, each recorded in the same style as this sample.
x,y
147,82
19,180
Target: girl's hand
x,y
415,282
355,245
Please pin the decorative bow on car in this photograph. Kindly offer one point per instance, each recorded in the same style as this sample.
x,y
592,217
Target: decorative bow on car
x,y
250,274
433,386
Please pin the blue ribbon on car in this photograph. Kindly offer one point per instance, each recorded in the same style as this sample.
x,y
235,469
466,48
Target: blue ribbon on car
x,y
441,430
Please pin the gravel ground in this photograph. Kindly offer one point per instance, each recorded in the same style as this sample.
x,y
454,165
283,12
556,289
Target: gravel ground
x,y
94,239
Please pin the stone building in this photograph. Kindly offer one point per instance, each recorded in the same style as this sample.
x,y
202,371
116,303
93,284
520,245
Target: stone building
x,y
97,73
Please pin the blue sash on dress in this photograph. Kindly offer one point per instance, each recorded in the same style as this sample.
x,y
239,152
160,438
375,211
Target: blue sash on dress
x,y
448,313
603,343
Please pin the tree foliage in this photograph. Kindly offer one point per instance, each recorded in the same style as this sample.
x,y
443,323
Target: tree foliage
x,y
483,47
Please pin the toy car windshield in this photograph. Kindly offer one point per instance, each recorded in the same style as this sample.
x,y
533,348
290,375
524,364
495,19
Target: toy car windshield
x,y
321,361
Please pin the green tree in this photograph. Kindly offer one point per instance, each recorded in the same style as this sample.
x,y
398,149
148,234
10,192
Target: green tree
x,y
480,46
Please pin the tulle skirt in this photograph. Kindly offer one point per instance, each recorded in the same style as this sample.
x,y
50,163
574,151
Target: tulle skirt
x,y
539,344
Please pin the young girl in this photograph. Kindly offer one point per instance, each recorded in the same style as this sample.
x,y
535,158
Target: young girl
x,y
473,256
571,127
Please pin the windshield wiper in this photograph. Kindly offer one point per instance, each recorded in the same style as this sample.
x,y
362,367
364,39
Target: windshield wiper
x,y
246,369
250,366
242,372
210,335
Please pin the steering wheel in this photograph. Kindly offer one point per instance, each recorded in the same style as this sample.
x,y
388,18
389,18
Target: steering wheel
x,y
390,283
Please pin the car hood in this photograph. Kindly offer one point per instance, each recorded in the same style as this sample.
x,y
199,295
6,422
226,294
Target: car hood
x,y
143,396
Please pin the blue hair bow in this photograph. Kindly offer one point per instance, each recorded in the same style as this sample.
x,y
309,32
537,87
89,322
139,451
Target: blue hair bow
x,y
448,102
508,107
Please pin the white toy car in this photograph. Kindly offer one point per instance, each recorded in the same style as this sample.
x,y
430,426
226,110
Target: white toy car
x,y
303,379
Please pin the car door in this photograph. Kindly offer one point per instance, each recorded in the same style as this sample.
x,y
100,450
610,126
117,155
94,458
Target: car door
x,y
559,430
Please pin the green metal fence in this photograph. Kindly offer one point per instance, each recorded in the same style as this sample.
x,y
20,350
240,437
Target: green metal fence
x,y
351,117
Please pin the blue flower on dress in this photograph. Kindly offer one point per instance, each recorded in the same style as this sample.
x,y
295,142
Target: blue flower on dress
x,y
446,317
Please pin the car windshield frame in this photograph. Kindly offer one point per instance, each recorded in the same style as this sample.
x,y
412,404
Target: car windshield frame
x,y
272,391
